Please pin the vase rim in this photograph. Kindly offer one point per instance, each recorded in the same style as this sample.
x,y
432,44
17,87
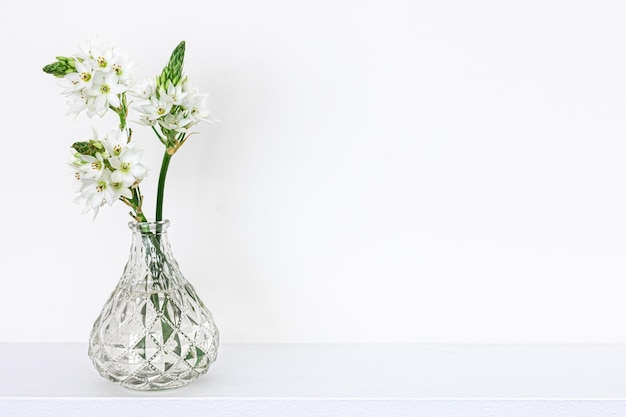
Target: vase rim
x,y
149,226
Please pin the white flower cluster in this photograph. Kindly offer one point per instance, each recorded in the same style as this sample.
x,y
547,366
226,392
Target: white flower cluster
x,y
172,107
98,79
108,169
102,74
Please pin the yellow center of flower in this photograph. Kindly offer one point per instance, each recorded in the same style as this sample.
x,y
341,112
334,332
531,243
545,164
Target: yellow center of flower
x,y
102,62
96,165
104,89
125,166
85,76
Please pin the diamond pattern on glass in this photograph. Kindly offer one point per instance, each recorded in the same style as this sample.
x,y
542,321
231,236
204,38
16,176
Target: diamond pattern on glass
x,y
154,332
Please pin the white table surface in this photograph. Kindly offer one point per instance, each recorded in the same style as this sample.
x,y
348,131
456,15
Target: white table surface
x,y
302,380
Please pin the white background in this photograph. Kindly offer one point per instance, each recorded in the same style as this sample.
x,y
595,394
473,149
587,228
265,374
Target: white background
x,y
382,171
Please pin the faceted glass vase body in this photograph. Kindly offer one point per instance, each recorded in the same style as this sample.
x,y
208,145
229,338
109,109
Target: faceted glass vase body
x,y
154,332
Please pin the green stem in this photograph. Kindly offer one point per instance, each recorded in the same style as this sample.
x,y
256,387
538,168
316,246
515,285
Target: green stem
x,y
121,110
163,141
161,187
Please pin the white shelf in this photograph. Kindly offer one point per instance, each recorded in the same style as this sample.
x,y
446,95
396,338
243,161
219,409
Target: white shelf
x,y
298,380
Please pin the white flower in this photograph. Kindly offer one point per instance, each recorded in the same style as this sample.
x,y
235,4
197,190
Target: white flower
x,y
156,108
145,120
77,175
173,94
99,54
84,200
90,189
122,68
77,103
103,93
93,167
144,88
69,87
176,122
115,141
128,168
120,189
197,106
83,78
76,82
95,193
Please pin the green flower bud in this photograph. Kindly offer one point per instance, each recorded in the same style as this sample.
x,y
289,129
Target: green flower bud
x,y
61,67
87,148
96,144
173,71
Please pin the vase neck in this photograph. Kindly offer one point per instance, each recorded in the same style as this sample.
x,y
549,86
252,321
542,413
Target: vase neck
x,y
150,228
151,237
150,253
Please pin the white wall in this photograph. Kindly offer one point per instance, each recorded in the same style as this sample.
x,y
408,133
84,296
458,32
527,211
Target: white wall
x,y
383,170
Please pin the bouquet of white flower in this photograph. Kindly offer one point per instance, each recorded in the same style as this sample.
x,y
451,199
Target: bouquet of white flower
x,y
98,79
154,332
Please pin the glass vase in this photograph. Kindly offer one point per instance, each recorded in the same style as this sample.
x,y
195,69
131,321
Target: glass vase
x,y
154,332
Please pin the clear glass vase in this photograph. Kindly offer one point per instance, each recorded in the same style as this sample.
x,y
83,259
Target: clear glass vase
x,y
154,332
